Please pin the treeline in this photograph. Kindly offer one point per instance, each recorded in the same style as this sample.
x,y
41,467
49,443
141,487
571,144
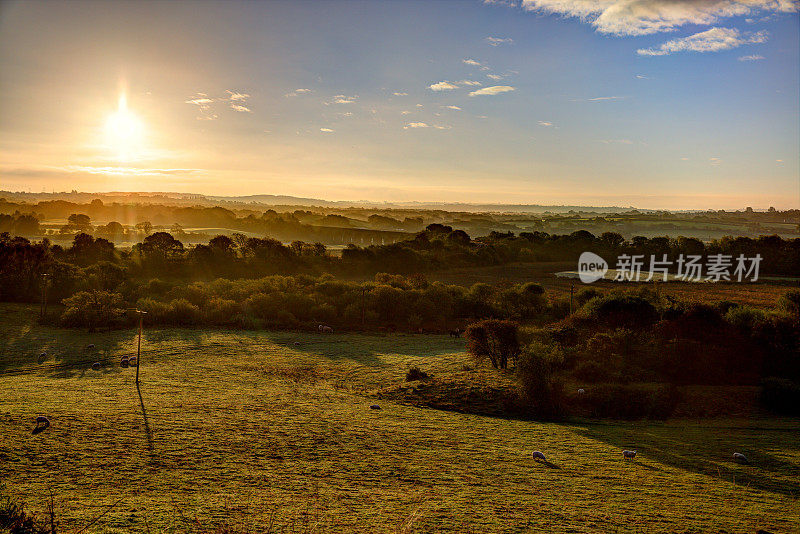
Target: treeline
x,y
95,263
389,303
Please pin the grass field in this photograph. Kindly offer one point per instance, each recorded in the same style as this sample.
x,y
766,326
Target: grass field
x,y
251,428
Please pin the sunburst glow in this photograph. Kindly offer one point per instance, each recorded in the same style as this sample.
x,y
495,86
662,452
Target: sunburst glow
x,y
124,133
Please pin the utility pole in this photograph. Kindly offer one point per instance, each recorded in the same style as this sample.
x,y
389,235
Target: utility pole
x,y
139,346
43,308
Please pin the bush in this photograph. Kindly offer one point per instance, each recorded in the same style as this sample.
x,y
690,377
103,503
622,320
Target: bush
x,y
622,310
93,309
592,371
540,390
790,302
493,339
781,396
415,373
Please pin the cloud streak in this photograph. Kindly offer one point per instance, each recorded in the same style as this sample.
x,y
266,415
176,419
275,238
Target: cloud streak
x,y
713,40
497,41
493,90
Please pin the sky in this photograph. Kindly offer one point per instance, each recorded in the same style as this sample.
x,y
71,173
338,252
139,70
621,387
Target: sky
x,y
665,104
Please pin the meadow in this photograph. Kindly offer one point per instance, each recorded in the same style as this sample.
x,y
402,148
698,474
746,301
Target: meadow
x,y
273,431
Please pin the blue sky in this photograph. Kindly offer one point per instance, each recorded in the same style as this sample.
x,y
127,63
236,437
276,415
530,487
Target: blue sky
x,y
653,103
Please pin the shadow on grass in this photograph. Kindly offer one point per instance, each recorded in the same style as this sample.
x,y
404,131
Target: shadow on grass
x,y
707,450
367,349
147,430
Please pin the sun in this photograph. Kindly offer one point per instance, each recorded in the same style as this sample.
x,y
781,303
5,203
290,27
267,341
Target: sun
x,y
124,133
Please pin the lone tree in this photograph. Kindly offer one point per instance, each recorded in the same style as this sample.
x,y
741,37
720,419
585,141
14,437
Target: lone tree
x,y
494,339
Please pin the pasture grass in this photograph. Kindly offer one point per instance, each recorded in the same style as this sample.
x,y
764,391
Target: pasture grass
x,y
248,428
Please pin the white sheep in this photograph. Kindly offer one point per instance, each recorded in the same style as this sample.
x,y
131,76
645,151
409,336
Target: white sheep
x,y
581,391
628,454
740,458
539,456
327,330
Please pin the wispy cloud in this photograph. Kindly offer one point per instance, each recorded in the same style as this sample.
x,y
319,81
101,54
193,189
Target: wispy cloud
x,y
495,77
642,17
642,77
326,130
752,57
400,94
715,161
342,99
474,63
602,98
207,105
415,125
456,108
497,41
713,40
546,124
298,92
443,86
617,141
493,90
450,86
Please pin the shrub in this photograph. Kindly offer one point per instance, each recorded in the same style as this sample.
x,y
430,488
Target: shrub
x,y
493,339
622,310
790,302
592,371
745,318
93,309
182,312
541,391
415,373
781,396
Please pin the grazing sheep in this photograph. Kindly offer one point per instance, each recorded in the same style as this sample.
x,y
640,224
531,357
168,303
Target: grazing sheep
x,y
320,327
455,333
132,361
90,346
124,362
629,454
374,407
538,456
581,391
41,420
42,357
738,457
96,366
327,330
296,343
